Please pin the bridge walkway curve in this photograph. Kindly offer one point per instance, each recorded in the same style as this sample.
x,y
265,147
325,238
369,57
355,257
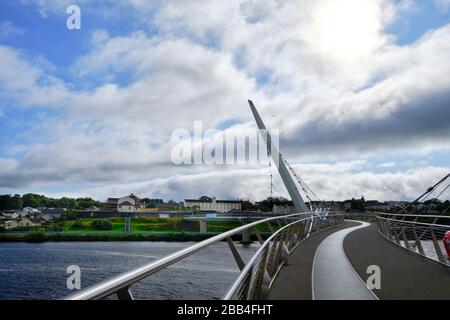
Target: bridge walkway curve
x,y
294,280
404,275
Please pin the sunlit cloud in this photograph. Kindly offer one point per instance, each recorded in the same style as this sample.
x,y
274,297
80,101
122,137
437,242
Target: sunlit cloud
x,y
327,73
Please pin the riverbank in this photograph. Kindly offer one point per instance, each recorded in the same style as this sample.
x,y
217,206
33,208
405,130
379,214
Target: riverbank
x,y
110,237
99,237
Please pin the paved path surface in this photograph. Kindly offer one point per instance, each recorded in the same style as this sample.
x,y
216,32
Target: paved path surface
x,y
294,280
404,275
333,276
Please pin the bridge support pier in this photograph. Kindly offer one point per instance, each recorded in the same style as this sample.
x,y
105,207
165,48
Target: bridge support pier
x,y
203,226
127,224
246,237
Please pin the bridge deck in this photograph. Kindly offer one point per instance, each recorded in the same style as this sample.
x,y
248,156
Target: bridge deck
x,y
333,276
404,275
294,281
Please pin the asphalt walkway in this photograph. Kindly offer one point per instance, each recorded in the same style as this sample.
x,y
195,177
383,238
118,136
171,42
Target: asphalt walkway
x,y
404,275
333,277
294,280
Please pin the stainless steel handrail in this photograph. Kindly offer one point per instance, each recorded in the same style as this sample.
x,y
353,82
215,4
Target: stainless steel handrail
x,y
254,282
415,222
250,264
421,237
121,284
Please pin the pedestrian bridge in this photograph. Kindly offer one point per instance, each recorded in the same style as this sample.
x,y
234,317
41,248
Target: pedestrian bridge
x,y
324,258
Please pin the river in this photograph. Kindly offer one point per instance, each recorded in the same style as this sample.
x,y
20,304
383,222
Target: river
x,y
38,271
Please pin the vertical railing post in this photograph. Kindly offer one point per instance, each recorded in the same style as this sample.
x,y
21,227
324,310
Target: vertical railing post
x,y
389,230
125,294
436,246
258,235
418,241
405,239
394,231
247,283
237,257
271,228
271,258
262,278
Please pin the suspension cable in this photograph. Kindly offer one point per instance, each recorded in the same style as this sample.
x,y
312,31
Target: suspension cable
x,y
440,194
306,189
427,193
271,175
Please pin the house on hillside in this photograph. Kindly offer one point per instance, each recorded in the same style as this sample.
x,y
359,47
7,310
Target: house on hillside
x,y
111,204
54,212
11,224
26,222
9,215
28,211
130,204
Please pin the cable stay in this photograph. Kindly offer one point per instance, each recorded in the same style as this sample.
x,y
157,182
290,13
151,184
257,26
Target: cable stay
x,y
440,194
271,175
309,193
427,193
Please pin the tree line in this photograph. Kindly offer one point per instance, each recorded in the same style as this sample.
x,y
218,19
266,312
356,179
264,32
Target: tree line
x,y
15,202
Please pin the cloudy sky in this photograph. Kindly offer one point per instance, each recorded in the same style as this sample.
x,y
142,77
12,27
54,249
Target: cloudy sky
x,y
360,91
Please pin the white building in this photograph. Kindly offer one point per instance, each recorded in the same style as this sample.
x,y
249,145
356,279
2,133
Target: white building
x,y
25,222
213,205
9,215
11,224
129,204
27,211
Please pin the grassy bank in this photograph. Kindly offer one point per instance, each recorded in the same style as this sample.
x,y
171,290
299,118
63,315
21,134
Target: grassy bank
x,y
141,225
142,229
109,237
94,237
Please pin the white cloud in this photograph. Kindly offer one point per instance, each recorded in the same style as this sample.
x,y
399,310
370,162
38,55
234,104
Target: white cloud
x,y
387,165
335,80
442,4
9,30
331,182
27,82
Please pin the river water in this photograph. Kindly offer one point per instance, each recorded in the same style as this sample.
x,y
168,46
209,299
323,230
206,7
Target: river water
x,y
38,271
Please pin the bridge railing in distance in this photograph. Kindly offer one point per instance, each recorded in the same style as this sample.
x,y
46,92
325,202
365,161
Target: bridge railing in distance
x,y
286,232
361,216
422,234
256,278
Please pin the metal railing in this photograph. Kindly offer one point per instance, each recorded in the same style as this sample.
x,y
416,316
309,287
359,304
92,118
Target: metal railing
x,y
422,234
256,278
256,275
361,216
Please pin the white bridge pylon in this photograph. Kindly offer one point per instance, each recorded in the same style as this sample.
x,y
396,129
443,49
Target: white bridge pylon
x,y
288,182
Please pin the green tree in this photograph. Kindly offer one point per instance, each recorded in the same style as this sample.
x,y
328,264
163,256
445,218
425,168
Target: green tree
x,y
16,202
31,200
5,201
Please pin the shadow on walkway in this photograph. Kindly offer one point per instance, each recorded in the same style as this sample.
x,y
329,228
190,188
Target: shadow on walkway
x,y
404,275
294,280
